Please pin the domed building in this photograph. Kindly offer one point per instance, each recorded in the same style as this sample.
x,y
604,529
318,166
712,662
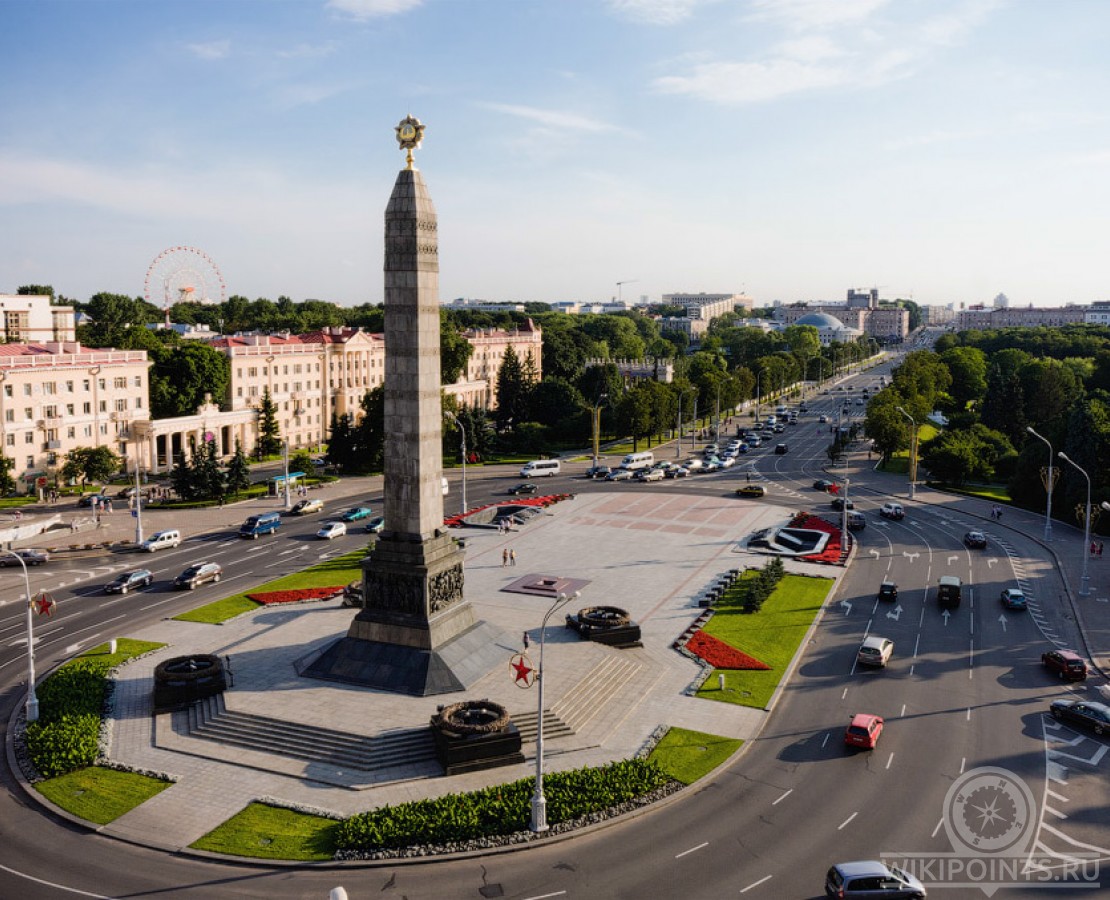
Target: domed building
x,y
829,328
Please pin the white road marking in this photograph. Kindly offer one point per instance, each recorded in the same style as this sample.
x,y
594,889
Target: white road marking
x,y
789,792
940,824
890,759
846,821
952,559
546,896
60,887
903,712
691,850
158,603
825,741
963,762
755,884
969,714
916,644
845,693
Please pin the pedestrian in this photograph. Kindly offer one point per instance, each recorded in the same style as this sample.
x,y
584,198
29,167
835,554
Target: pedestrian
x,y
1100,549
749,477
1094,548
512,557
526,640
504,557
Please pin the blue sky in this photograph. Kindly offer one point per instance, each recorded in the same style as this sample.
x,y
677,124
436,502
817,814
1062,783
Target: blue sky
x,y
941,149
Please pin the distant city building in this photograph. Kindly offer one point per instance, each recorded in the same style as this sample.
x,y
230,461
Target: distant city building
x,y
639,369
1098,314
1001,302
866,298
692,328
938,315
29,319
980,317
58,395
830,329
477,386
708,306
889,324
483,306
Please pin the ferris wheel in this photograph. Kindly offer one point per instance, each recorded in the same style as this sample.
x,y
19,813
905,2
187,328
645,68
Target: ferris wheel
x,y
183,275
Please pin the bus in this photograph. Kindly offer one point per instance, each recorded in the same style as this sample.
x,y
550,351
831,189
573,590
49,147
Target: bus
x,y
642,460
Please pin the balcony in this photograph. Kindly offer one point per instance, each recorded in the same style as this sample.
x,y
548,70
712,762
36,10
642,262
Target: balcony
x,y
52,445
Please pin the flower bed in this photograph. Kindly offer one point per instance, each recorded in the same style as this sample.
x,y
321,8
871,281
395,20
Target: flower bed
x,y
720,655
458,521
833,549
295,596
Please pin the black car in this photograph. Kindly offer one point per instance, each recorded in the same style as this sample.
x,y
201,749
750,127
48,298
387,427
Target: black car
x,y
976,540
525,488
822,484
197,574
1087,713
839,502
134,580
597,471
781,449
91,499
888,590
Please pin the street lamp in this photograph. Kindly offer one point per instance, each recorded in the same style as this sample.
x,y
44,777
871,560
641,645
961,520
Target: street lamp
x,y
758,393
1085,579
285,464
462,436
32,707
138,505
1049,485
597,424
844,508
913,448
539,804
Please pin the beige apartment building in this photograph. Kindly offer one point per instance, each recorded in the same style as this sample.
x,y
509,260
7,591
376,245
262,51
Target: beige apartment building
x,y
30,319
977,317
57,395
477,386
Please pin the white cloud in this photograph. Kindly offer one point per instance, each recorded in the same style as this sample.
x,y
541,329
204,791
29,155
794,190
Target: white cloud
x,y
308,51
802,15
656,12
553,119
372,9
210,50
752,82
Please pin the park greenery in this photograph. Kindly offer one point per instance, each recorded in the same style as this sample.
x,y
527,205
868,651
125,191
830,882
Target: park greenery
x,y
993,386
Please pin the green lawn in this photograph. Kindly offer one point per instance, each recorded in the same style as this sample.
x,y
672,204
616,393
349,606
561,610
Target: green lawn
x,y
100,795
899,463
688,755
994,492
270,832
771,635
339,570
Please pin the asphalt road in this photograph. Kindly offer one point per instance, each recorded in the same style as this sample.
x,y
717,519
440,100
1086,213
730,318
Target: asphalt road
x,y
962,691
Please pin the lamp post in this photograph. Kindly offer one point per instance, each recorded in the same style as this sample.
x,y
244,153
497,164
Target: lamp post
x,y
913,448
678,445
539,803
717,413
844,508
138,506
1085,579
32,707
1049,485
597,423
462,436
285,464
758,393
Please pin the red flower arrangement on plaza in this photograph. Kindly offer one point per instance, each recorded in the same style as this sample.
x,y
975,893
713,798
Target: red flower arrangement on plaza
x,y
295,596
720,655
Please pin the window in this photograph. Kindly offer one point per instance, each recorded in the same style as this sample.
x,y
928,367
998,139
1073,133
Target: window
x,y
27,390
51,412
138,403
29,437
69,409
138,381
88,431
9,415
103,428
103,383
103,405
48,387
71,432
28,413
119,383
85,384
30,462
52,434
69,387
10,440
121,404
86,408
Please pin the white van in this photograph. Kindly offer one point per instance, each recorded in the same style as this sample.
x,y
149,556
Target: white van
x,y
634,461
540,468
161,540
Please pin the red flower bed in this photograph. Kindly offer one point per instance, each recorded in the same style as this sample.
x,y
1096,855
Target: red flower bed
x,y
720,655
320,593
833,549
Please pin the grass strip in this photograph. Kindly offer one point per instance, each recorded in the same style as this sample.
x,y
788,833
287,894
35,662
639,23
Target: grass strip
x,y
771,635
338,570
689,755
271,832
100,795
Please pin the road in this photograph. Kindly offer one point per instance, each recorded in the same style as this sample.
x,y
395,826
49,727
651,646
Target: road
x,y
962,691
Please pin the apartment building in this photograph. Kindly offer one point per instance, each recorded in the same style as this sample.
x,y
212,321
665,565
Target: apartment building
x,y
57,395
477,386
979,317
30,319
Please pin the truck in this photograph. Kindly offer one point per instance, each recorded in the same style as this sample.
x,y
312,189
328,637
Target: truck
x,y
949,592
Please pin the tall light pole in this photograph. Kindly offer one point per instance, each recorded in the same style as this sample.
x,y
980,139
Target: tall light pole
x,y
32,707
717,411
1050,483
285,464
539,803
913,448
844,508
1085,579
758,393
462,436
597,423
678,448
138,505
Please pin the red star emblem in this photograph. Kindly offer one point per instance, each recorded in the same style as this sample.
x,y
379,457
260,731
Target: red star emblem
x,y
44,605
522,671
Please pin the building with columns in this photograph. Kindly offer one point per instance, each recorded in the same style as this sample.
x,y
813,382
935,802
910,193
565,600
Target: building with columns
x,y
477,385
57,396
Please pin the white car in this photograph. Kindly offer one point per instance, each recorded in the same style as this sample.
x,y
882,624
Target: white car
x,y
652,475
331,530
728,461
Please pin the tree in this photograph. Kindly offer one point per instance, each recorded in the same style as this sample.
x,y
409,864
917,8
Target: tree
x,y
342,453
513,391
208,478
1004,404
183,376
968,368
301,461
90,464
369,434
554,400
635,415
36,290
112,315
564,355
181,478
269,432
454,349
7,483
237,477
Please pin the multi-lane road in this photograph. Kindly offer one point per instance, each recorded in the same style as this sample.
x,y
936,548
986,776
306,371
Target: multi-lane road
x,y
962,691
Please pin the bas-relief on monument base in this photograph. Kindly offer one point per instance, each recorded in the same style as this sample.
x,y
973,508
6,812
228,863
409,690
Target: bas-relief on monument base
x,y
417,634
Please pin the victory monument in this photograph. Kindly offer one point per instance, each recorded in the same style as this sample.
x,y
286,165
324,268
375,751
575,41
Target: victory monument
x,y
417,633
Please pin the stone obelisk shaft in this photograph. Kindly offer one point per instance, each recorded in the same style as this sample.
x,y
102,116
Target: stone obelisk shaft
x,y
413,408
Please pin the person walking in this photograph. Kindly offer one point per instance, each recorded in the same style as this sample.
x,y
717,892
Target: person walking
x,y
504,557
512,557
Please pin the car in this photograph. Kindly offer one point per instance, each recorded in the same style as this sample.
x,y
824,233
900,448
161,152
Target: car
x,y
319,462
304,507
975,540
856,521
678,472
888,590
355,513
651,475
859,401
892,511
754,440
526,487
134,580
710,449
331,530
198,574
1012,598
712,465
824,420
875,651
871,878
92,499
619,475
751,491
839,503
1088,713
822,484
29,556
375,525
781,449
779,429
863,731
694,465
1067,664
598,471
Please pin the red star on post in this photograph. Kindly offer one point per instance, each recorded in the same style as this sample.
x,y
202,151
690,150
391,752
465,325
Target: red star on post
x,y
834,489
44,604
523,673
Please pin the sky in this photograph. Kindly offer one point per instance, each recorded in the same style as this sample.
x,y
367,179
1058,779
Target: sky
x,y
939,150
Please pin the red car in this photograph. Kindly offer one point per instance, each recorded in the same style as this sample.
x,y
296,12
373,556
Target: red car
x,y
864,731
1066,663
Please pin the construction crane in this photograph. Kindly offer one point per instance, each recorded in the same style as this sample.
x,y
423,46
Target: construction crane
x,y
620,288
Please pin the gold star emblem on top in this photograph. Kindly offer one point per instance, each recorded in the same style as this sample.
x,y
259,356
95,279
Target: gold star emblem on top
x,y
409,135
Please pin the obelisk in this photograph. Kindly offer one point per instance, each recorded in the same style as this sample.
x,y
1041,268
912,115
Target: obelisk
x,y
417,633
